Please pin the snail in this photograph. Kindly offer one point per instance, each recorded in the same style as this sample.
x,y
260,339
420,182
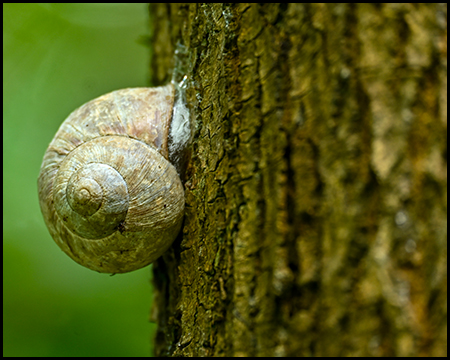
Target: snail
x,y
109,184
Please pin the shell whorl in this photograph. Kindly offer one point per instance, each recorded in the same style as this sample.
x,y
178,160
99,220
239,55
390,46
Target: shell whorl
x,y
110,198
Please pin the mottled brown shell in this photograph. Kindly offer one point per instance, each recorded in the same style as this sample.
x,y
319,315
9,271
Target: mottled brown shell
x,y
110,198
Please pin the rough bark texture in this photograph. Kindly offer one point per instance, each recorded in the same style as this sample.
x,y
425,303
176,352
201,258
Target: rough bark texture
x,y
316,193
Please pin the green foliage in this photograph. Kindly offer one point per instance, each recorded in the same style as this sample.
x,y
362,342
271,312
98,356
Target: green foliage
x,y
56,57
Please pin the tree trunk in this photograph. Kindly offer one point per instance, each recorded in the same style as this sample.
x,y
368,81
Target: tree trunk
x,y
316,191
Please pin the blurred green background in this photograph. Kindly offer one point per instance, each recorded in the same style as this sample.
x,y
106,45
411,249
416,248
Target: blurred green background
x,y
56,57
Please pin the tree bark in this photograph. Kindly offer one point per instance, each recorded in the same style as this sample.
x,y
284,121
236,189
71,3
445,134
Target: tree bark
x,y
316,190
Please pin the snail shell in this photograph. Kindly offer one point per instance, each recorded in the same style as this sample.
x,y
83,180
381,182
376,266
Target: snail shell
x,y
111,199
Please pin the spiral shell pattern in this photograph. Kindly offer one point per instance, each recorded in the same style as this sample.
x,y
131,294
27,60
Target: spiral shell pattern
x,y
110,198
